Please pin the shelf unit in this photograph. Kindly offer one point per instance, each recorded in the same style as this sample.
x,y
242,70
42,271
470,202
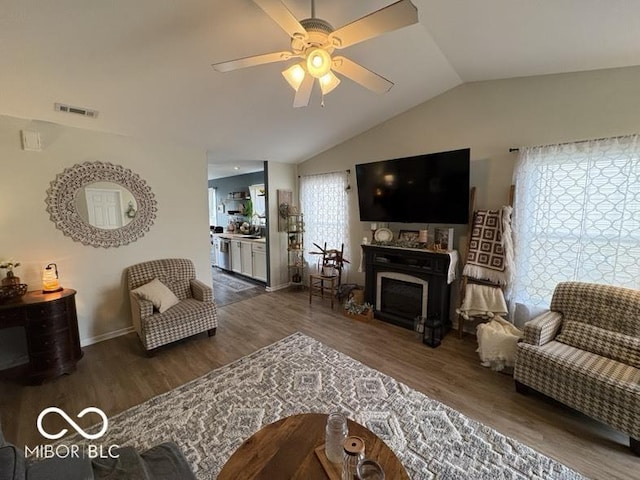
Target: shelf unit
x,y
236,205
295,248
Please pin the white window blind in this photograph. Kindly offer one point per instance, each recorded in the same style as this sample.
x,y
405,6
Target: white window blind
x,y
576,216
324,203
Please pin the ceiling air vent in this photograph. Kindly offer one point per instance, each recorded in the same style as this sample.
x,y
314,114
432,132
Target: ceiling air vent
x,y
85,112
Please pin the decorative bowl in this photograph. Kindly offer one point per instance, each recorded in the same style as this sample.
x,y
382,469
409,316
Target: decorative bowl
x,y
11,292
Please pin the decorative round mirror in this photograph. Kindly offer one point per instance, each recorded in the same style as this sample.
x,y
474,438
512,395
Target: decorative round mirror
x,y
101,204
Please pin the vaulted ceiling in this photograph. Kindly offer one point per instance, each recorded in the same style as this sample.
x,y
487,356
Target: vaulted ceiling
x,y
145,65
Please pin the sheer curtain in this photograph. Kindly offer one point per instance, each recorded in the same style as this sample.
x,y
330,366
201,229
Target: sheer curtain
x,y
576,216
324,203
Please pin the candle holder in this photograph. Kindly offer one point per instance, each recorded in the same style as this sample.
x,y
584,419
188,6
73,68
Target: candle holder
x,y
433,331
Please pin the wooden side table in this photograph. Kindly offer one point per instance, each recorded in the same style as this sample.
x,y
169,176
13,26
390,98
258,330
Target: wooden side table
x,y
286,449
51,325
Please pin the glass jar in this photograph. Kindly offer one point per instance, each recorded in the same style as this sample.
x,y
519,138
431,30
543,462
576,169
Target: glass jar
x,y
353,453
368,469
335,434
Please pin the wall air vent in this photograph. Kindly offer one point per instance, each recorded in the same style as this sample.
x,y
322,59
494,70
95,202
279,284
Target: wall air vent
x,y
85,112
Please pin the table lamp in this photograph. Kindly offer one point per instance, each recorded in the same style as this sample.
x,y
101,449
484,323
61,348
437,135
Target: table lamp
x,y
50,282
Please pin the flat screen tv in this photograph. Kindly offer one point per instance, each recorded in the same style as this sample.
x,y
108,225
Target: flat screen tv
x,y
430,188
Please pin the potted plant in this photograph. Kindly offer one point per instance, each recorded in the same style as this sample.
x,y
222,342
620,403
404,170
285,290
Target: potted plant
x,y
10,278
357,311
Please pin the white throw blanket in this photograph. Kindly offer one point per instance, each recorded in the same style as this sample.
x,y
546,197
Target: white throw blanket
x,y
497,342
453,266
482,300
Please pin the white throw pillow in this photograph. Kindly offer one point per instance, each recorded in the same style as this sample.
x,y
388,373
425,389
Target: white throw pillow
x,y
157,293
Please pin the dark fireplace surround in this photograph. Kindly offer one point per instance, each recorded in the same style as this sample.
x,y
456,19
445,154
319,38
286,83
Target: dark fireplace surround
x,y
403,283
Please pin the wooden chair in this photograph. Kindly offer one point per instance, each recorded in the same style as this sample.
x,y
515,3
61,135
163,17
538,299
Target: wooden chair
x,y
329,277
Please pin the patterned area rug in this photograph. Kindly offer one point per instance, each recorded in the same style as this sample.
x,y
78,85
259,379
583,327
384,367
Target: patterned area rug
x,y
211,416
232,282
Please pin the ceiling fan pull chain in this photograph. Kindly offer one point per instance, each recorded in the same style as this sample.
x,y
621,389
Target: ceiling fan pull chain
x,y
322,99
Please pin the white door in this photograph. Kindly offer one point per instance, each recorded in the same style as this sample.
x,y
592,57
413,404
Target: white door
x,y
104,208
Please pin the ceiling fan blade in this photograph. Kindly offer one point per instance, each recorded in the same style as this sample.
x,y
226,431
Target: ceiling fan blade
x,y
396,15
252,61
283,17
303,94
361,75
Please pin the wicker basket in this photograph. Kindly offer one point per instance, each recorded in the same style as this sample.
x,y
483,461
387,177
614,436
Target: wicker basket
x,y
10,292
363,317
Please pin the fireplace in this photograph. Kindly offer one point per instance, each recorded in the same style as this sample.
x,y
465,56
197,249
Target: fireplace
x,y
402,295
403,283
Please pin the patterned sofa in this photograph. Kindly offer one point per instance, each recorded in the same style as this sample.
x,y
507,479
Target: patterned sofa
x,y
195,313
585,352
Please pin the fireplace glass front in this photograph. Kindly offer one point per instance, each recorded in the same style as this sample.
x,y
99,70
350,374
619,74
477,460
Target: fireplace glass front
x,y
401,295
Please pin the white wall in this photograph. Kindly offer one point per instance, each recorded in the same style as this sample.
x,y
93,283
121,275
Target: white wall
x,y
280,176
490,117
176,175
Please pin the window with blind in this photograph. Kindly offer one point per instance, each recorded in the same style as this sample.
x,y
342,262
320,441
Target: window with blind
x,y
576,216
324,203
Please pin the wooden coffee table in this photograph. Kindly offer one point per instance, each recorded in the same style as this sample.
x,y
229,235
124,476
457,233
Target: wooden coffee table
x,y
286,449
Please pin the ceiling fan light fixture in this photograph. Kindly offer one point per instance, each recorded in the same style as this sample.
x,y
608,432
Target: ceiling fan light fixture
x,y
314,41
318,62
328,82
294,75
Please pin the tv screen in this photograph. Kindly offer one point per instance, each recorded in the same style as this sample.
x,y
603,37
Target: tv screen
x,y
430,188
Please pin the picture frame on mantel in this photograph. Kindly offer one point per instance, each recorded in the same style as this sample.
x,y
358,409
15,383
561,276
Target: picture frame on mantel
x,y
408,235
443,239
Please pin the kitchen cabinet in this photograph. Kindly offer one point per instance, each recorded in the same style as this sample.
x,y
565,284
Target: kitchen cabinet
x,y
259,261
236,256
249,259
246,267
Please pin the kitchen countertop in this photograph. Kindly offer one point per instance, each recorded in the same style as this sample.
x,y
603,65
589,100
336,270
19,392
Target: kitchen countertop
x,y
239,236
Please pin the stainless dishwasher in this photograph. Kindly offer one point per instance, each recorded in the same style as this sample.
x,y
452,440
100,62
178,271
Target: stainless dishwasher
x,y
224,253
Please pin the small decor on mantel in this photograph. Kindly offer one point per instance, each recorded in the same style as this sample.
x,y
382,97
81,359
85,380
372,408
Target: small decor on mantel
x,y
443,238
409,235
401,243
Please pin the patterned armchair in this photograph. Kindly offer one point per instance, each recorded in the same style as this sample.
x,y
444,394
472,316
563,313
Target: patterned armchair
x,y
585,353
194,313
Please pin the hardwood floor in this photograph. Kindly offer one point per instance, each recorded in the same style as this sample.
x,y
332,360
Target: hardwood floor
x,y
115,375
225,295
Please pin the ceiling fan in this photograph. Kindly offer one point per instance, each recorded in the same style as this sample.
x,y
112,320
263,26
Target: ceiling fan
x,y
314,41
